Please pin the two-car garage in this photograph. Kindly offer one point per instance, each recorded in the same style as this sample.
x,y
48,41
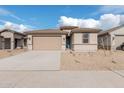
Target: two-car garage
x,y
46,42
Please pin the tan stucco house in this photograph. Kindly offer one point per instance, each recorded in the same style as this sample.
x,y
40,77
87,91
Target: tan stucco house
x,y
112,38
67,37
10,39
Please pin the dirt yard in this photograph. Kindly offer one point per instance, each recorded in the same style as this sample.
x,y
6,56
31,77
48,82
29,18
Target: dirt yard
x,y
101,60
7,53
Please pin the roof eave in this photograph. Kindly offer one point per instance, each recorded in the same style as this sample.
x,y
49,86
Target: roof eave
x,y
30,33
15,32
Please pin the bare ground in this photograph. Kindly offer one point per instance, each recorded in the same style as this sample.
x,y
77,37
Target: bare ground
x,y
7,53
101,60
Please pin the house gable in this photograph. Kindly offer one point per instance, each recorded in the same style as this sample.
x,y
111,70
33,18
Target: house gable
x,y
119,31
7,34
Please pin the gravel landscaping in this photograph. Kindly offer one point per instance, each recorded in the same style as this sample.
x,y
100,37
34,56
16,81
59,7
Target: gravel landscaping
x,y
101,60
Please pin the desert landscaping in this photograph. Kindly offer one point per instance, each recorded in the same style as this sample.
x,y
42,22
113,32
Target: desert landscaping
x,y
77,61
101,60
7,53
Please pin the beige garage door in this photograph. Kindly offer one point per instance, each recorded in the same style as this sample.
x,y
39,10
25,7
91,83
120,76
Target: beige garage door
x,y
46,43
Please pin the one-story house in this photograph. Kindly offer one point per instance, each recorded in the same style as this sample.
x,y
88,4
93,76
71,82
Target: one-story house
x,y
10,39
67,37
112,38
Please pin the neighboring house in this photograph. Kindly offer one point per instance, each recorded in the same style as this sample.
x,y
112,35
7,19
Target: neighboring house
x,y
112,38
48,39
67,37
12,39
1,42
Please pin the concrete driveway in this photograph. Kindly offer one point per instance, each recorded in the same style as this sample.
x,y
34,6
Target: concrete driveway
x,y
32,60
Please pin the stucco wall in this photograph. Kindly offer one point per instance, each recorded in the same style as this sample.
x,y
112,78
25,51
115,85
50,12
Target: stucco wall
x,y
85,48
18,36
118,41
78,45
118,31
114,42
7,34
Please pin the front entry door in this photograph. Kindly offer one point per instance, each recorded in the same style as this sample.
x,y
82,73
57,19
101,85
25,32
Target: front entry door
x,y
7,43
68,42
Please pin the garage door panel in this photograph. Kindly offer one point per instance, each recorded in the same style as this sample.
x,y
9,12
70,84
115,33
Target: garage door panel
x,y
46,43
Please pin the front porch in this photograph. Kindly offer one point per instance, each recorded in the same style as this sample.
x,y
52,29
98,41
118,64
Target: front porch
x,y
16,43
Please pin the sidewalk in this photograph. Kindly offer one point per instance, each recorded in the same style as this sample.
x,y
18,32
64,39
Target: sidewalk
x,y
62,79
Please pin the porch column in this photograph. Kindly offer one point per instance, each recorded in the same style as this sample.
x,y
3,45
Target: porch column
x,y
63,42
22,43
12,43
3,44
29,42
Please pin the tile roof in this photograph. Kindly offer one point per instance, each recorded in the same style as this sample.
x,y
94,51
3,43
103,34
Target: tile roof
x,y
87,30
46,31
68,27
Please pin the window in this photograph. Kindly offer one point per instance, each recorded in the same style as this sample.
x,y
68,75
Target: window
x,y
85,37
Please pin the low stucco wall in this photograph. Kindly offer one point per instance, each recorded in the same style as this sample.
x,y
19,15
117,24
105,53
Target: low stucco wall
x,y
85,48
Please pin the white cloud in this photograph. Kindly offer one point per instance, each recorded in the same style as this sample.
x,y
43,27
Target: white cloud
x,y
5,12
69,21
105,21
109,21
16,27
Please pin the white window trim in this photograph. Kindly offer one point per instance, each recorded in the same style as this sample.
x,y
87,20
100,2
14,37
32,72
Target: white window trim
x,y
85,38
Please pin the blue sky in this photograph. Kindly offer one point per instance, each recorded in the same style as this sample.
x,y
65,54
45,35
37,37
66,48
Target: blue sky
x,y
44,17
